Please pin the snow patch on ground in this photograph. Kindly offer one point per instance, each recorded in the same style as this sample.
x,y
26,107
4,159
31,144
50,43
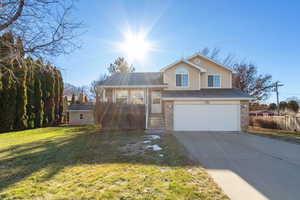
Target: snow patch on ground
x,y
153,137
147,142
154,147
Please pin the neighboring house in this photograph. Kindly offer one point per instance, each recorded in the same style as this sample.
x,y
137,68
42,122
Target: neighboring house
x,y
265,113
193,94
81,114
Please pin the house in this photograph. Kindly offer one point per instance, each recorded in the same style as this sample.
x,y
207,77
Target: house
x,y
81,114
265,113
193,94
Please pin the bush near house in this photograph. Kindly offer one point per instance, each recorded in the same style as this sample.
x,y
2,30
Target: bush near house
x,y
120,116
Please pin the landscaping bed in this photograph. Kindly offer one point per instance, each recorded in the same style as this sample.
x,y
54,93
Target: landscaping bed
x,y
290,136
85,163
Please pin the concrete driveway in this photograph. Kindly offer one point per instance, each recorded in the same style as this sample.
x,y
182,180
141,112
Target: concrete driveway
x,y
247,166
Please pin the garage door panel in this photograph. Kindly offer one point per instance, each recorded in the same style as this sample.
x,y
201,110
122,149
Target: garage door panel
x,y
206,117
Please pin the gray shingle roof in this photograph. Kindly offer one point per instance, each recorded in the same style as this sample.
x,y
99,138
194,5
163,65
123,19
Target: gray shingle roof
x,y
80,107
134,78
206,93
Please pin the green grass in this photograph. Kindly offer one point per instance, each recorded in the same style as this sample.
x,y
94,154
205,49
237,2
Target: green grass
x,y
85,163
289,136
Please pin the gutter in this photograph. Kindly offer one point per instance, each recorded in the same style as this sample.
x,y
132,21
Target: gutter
x,y
133,86
205,98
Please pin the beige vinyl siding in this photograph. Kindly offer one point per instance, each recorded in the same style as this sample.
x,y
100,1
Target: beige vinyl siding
x,y
213,69
194,75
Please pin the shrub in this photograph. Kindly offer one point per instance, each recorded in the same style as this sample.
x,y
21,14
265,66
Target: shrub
x,y
263,123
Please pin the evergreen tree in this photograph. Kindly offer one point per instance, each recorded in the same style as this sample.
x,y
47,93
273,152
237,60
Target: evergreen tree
x,y
7,101
38,103
21,98
73,99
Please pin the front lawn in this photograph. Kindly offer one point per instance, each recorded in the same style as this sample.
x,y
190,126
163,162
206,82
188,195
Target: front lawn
x,y
290,136
84,163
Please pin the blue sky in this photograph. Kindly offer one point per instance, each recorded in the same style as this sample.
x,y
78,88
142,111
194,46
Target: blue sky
x,y
266,33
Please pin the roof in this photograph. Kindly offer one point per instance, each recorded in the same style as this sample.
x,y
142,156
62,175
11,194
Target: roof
x,y
80,107
211,60
184,61
135,79
231,93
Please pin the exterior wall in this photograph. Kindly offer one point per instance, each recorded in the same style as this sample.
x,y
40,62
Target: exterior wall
x,y
194,77
244,114
168,109
74,117
213,69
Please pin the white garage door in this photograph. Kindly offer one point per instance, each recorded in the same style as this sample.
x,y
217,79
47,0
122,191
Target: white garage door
x,y
206,117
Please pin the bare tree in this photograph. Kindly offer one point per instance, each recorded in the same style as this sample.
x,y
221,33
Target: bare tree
x,y
45,27
248,80
95,93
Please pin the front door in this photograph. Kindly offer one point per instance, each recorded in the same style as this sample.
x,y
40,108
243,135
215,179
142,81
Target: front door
x,y
156,102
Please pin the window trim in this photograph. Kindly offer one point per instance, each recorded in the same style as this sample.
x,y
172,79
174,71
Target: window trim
x,y
182,73
214,75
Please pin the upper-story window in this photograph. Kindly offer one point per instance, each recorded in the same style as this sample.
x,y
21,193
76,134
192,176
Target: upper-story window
x,y
214,81
182,77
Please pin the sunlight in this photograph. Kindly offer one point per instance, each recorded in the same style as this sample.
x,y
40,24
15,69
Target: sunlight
x,y
135,45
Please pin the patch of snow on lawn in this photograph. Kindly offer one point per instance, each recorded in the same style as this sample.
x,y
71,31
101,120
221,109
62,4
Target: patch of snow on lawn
x,y
153,137
154,147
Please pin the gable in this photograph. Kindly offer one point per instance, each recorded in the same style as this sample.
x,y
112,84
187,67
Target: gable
x,y
194,76
202,61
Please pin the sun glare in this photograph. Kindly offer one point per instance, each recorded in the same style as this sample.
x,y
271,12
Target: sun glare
x,y
135,46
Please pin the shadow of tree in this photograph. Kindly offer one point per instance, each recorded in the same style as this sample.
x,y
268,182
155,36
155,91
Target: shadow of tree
x,y
82,146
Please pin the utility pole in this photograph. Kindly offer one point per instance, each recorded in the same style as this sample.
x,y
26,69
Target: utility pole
x,y
277,84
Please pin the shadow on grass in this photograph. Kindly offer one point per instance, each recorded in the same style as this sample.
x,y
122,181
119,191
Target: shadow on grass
x,y
82,145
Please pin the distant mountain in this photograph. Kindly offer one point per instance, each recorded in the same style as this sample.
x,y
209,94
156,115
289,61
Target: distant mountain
x,y
70,89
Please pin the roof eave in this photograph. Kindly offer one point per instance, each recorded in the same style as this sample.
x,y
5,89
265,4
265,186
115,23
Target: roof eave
x,y
206,98
133,86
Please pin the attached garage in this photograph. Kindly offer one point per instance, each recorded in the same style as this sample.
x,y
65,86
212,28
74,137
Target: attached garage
x,y
215,116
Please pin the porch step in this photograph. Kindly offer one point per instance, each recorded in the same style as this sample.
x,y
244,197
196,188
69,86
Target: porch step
x,y
156,122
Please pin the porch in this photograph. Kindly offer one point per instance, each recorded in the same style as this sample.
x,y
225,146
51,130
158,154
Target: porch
x,y
149,97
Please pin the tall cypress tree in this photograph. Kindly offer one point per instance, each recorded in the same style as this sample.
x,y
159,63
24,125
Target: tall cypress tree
x,y
21,98
38,102
7,101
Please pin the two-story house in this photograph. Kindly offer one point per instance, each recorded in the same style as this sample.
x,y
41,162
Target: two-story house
x,y
193,94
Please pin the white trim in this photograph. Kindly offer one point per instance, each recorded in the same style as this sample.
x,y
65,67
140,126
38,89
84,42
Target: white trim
x,y
134,86
214,75
211,60
184,61
203,98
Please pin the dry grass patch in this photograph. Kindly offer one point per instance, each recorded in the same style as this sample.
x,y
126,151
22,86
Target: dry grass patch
x,y
289,136
84,163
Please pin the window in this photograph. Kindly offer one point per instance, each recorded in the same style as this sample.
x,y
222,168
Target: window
x,y
214,81
137,96
182,77
81,116
121,96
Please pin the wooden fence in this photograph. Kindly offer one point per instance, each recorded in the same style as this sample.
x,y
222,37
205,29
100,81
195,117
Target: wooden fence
x,y
120,116
276,122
